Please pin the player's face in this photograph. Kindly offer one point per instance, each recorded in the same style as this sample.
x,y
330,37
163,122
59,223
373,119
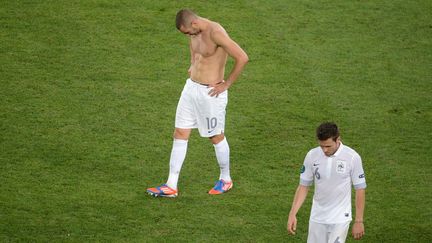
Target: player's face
x,y
190,30
329,146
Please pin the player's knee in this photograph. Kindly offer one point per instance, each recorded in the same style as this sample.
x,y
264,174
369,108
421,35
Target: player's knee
x,y
181,134
217,138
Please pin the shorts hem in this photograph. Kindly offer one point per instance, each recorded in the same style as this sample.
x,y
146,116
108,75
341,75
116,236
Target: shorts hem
x,y
341,222
211,135
185,127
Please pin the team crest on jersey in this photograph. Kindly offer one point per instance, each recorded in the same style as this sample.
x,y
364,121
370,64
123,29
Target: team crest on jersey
x,y
340,166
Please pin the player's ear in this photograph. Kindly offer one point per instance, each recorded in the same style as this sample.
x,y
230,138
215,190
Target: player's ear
x,y
194,23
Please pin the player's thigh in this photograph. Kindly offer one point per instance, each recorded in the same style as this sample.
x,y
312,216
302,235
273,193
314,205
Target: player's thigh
x,y
339,232
185,114
211,115
318,233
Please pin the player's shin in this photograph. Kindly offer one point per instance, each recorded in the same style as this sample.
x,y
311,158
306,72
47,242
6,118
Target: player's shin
x,y
178,155
222,151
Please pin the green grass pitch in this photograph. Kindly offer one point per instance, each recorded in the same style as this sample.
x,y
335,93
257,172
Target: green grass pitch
x,y
88,92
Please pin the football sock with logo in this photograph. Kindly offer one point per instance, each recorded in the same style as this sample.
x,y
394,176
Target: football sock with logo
x,y
178,155
223,157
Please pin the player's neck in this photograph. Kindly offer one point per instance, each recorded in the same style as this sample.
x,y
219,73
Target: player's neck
x,y
203,24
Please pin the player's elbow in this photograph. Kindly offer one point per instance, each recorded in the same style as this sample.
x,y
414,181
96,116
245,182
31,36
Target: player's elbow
x,y
244,59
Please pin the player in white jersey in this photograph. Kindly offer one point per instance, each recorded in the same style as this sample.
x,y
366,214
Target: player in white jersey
x,y
333,168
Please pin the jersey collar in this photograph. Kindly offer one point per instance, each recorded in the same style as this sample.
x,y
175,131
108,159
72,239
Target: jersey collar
x,y
341,146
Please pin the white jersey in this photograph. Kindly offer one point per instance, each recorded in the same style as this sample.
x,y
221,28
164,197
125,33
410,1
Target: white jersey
x,y
333,177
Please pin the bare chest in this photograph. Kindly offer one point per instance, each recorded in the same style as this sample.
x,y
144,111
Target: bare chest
x,y
203,45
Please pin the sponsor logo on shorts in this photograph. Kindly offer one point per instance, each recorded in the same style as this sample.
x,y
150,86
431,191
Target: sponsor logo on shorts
x,y
362,176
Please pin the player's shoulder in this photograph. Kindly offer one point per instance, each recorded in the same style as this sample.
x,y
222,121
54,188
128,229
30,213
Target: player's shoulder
x,y
217,30
314,153
217,26
350,152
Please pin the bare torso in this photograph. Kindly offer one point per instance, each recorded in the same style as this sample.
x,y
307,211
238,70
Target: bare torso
x,y
209,59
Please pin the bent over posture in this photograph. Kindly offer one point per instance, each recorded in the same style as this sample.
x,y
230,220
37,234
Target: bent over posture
x,y
333,167
204,97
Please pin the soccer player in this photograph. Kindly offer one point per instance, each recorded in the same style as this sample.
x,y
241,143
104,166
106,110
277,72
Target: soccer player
x,y
204,97
332,167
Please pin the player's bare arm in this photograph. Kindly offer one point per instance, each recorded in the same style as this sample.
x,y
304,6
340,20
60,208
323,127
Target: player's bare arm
x,y
298,200
358,226
221,38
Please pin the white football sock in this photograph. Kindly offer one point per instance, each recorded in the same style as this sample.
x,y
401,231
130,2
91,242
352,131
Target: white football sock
x,y
223,157
178,155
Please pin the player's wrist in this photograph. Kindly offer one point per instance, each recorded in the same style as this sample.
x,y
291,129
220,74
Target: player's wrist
x,y
228,82
359,221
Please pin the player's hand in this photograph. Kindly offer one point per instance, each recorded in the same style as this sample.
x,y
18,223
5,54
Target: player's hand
x,y
217,89
358,230
292,224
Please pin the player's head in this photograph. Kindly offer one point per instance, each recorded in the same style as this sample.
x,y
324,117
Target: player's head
x,y
328,137
186,22
327,130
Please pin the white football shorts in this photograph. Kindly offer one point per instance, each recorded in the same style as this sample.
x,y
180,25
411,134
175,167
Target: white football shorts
x,y
327,233
197,109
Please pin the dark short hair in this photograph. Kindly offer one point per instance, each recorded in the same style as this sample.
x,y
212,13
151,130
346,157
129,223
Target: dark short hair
x,y
183,17
327,130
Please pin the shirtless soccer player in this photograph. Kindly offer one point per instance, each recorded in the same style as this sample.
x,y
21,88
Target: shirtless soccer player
x,y
204,98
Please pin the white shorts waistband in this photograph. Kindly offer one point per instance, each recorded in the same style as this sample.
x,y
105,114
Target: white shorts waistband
x,y
191,81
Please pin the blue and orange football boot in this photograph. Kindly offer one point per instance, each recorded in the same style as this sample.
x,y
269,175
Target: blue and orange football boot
x,y
221,187
162,191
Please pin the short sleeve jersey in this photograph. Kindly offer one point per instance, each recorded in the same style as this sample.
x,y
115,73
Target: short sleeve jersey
x,y
333,177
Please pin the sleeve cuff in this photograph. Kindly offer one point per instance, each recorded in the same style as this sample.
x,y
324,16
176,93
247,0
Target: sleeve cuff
x,y
360,186
305,182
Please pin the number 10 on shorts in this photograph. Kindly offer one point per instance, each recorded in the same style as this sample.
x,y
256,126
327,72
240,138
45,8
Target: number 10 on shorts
x,y
211,123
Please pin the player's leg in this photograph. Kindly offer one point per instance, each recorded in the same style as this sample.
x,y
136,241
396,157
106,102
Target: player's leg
x,y
178,155
318,233
338,233
222,151
211,124
184,122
